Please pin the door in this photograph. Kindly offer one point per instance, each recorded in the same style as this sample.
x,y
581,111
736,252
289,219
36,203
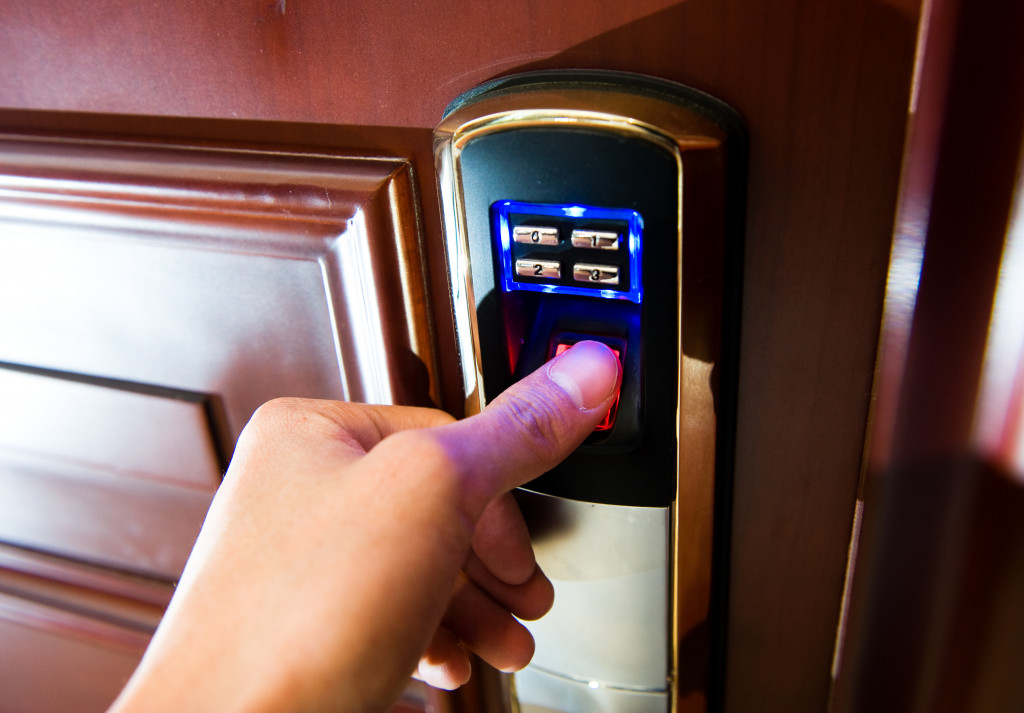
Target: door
x,y
283,95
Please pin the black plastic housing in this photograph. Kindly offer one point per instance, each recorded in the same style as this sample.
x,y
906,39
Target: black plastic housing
x,y
636,462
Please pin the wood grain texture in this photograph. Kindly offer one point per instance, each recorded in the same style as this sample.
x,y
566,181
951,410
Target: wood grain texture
x,y
381,64
824,89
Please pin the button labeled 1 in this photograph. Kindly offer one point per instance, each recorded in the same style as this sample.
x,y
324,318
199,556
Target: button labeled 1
x,y
598,239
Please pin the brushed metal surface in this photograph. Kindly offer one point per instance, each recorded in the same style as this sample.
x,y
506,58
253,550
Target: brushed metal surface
x,y
610,566
539,692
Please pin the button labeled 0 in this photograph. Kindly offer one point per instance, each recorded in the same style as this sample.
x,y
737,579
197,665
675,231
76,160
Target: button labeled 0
x,y
535,234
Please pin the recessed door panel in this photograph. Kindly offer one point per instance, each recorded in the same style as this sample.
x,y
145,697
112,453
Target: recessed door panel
x,y
156,296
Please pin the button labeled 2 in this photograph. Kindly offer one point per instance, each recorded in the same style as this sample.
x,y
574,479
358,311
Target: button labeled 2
x,y
549,269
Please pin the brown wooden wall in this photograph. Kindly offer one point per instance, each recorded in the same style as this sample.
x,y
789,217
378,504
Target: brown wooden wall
x,y
824,89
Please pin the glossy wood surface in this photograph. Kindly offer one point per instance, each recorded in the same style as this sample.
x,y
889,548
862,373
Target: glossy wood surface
x,y
823,87
165,293
71,634
936,621
162,294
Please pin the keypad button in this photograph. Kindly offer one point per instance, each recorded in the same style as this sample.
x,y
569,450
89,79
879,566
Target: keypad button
x,y
595,274
535,234
597,239
549,269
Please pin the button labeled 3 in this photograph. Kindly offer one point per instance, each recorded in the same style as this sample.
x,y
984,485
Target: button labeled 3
x,y
599,274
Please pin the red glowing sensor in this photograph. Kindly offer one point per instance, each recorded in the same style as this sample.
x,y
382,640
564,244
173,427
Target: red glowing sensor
x,y
609,418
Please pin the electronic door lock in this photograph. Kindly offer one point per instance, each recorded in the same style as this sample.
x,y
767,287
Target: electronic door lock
x,y
601,205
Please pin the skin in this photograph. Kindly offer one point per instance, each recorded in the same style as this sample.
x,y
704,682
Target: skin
x,y
351,546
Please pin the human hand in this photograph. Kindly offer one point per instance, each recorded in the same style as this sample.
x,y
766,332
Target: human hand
x,y
350,545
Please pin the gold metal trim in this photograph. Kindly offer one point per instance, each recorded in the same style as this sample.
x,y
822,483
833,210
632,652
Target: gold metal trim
x,y
520,119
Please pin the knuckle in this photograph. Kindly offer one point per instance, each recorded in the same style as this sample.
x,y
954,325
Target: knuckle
x,y
276,410
272,416
289,415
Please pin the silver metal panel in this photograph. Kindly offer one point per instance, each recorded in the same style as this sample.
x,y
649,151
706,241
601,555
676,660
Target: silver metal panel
x,y
610,566
539,692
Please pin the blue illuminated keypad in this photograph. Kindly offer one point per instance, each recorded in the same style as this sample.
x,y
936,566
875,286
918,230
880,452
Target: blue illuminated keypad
x,y
569,249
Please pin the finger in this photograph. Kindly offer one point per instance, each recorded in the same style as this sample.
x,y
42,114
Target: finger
x,y
444,663
533,425
488,628
502,542
528,601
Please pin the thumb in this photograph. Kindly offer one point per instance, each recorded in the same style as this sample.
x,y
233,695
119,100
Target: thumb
x,y
533,425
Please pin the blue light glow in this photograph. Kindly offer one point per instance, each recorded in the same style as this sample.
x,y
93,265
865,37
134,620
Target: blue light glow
x,y
633,240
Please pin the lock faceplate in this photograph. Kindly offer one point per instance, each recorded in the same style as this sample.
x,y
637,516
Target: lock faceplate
x,y
607,206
